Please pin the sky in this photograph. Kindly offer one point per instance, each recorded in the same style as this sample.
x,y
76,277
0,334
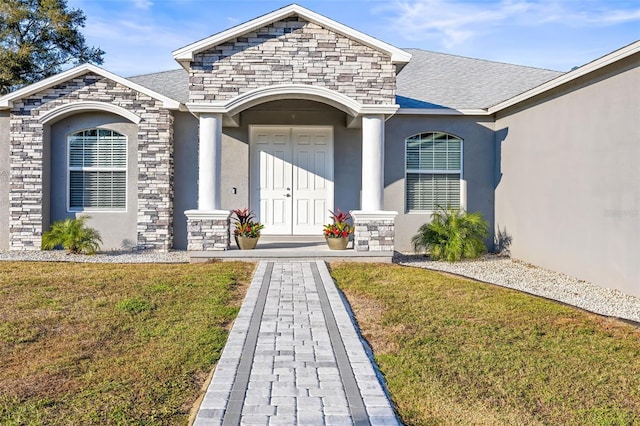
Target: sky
x,y
138,36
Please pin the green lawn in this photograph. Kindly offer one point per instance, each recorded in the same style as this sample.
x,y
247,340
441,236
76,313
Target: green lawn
x,y
133,344
111,344
454,352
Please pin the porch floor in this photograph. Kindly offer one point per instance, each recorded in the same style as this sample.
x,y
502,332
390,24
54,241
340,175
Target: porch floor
x,y
292,248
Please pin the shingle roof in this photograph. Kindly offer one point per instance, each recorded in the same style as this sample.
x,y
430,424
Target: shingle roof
x,y
173,84
436,80
430,80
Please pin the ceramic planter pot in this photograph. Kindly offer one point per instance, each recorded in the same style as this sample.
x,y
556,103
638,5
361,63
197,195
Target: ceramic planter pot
x,y
246,243
337,243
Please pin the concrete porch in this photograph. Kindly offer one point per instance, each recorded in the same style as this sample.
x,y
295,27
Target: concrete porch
x,y
292,248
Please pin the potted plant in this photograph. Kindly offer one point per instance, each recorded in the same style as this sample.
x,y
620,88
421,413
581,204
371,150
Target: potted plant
x,y
337,233
247,230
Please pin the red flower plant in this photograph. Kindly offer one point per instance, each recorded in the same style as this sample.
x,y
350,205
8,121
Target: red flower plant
x,y
339,228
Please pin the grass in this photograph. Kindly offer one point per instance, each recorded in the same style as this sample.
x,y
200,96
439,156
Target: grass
x,y
454,351
111,344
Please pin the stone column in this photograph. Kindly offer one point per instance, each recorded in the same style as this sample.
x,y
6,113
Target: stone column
x,y
372,195
208,230
374,228
208,226
374,231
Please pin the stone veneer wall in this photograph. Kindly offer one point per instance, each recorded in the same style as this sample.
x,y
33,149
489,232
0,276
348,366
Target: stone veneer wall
x,y
207,233
292,51
374,235
155,159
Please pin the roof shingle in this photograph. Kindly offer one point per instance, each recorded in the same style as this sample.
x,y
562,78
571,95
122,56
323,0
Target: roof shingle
x,y
440,80
430,80
173,84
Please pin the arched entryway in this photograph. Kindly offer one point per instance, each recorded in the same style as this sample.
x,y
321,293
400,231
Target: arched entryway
x,y
283,160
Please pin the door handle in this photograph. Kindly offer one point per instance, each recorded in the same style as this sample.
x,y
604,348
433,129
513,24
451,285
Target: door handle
x,y
287,195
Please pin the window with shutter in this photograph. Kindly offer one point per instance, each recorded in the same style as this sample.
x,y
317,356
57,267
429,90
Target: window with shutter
x,y
433,171
97,178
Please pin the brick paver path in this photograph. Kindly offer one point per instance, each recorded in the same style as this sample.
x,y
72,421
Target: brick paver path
x,y
294,357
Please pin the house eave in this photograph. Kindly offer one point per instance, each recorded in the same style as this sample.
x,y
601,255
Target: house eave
x,y
185,54
442,111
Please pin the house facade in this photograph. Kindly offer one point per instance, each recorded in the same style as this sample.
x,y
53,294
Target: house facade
x,y
293,114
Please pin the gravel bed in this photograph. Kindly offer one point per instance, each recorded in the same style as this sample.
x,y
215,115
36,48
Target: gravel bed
x,y
506,272
176,256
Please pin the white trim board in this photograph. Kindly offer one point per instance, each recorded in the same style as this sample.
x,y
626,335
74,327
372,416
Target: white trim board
x,y
185,54
6,101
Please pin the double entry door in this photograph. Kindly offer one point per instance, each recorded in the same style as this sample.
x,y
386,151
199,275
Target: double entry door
x,y
291,178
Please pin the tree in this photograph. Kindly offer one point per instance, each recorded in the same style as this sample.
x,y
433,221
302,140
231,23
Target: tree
x,y
39,37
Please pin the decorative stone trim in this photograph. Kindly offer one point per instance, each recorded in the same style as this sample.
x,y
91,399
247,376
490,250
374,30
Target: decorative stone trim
x,y
208,230
374,231
297,51
154,160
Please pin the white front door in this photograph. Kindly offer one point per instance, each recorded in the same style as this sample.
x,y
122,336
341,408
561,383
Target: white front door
x,y
291,178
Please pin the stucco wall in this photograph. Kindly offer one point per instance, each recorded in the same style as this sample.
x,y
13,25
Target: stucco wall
x,y
292,51
478,167
117,229
4,180
185,156
569,194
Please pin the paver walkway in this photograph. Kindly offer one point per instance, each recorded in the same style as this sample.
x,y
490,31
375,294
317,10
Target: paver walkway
x,y
294,357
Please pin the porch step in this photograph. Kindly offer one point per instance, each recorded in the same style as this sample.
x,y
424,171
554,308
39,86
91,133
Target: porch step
x,y
292,248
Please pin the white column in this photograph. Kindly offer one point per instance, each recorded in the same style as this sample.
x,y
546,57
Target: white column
x,y
372,163
209,161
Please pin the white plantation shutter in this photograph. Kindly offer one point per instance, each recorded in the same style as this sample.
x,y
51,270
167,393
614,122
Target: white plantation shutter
x,y
97,170
433,171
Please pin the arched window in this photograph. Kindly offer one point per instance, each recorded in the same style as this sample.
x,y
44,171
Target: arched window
x,y
97,170
433,171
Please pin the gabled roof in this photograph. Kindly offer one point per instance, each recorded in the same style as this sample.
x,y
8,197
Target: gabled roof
x,y
6,101
439,80
186,54
434,82
588,68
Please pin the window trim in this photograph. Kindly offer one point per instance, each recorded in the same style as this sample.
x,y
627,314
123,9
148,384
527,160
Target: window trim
x,y
463,182
70,168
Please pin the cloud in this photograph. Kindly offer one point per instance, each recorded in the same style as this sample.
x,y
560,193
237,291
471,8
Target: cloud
x,y
449,22
605,17
142,4
453,22
126,41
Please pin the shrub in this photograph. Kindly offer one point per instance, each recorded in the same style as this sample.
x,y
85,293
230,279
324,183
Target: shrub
x,y
452,235
72,235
